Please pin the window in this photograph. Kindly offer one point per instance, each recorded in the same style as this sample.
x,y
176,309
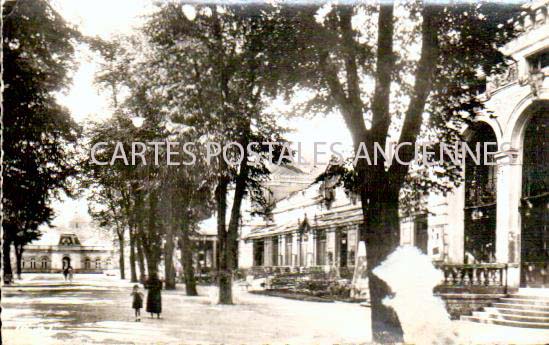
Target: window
x,y
98,263
480,198
45,262
539,61
288,254
342,247
87,263
259,249
321,247
275,251
420,233
32,263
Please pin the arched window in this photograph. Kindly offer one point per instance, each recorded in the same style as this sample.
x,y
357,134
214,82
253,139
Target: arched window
x,y
87,263
480,196
44,262
33,263
108,263
98,263
535,200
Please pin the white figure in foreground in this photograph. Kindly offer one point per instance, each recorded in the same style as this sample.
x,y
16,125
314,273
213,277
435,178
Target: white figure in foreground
x,y
423,316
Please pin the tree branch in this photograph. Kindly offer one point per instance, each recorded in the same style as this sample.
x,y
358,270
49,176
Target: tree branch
x,y
353,87
353,119
385,64
423,83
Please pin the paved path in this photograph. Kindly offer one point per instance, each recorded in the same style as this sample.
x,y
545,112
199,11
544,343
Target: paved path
x,y
97,310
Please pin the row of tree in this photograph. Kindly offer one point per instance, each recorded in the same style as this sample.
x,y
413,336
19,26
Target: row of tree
x,y
216,68
38,135
209,72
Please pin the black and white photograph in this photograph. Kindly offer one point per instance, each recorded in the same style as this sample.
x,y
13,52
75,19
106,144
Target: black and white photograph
x,y
274,172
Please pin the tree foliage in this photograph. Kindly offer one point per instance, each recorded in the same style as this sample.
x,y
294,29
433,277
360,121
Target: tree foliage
x,y
39,135
210,62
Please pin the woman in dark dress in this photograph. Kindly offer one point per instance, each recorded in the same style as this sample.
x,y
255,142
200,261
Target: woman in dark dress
x,y
154,297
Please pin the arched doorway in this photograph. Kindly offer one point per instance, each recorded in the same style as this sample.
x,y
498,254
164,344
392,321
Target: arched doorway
x,y
480,197
66,262
535,201
87,263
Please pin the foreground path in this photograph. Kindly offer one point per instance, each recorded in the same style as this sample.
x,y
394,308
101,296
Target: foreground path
x,y
96,309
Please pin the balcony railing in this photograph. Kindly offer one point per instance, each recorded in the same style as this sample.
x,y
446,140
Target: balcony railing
x,y
479,277
496,81
532,18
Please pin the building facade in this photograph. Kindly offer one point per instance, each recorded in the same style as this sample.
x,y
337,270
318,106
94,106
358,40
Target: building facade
x,y
314,228
494,227
490,233
73,245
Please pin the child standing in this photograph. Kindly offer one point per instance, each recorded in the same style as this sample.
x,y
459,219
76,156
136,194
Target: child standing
x,y
137,302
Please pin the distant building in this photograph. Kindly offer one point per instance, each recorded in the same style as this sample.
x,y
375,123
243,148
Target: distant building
x,y
78,245
283,182
314,227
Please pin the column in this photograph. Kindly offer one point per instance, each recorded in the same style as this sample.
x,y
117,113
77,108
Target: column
x,y
509,185
295,249
268,252
311,252
282,247
455,225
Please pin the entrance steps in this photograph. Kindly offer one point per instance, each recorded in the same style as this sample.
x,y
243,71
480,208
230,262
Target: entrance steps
x,y
525,310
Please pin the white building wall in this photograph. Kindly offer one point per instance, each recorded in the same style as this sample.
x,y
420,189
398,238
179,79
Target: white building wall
x,y
245,254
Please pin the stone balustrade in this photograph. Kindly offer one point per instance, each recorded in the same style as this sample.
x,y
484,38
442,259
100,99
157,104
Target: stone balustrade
x,y
477,277
496,81
534,17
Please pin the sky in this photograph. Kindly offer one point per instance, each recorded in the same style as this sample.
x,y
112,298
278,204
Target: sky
x,y
105,18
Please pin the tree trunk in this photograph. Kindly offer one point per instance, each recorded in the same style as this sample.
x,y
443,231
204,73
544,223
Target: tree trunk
x,y
6,261
230,254
18,258
223,272
133,268
169,269
121,254
140,259
150,238
186,248
152,267
382,235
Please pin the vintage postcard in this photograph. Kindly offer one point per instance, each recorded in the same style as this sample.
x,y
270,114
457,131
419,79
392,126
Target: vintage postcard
x,y
275,172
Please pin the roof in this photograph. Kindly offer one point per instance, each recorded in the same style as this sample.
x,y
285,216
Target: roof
x,y
308,203
78,226
339,216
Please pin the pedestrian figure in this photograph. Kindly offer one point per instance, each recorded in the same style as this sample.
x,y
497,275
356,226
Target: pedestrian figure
x,y
70,273
137,302
154,298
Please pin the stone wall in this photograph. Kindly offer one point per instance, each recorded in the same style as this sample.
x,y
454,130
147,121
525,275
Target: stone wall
x,y
459,304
